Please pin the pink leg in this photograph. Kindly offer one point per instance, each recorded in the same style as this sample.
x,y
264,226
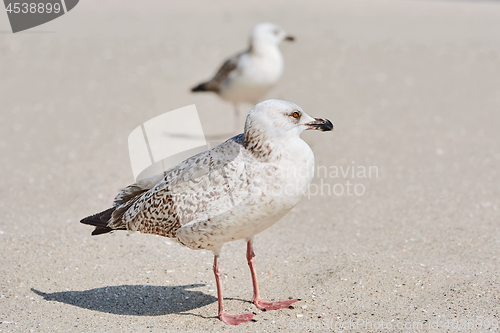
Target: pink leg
x,y
259,303
226,317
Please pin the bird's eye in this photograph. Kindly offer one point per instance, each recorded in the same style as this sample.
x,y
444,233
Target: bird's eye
x,y
296,114
276,32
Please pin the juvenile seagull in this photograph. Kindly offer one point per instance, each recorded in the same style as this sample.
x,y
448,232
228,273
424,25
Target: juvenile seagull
x,y
249,75
233,191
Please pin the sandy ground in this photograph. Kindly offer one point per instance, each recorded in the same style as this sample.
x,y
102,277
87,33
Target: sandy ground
x,y
413,89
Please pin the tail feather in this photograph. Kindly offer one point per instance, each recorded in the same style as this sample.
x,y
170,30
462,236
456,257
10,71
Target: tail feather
x,y
100,222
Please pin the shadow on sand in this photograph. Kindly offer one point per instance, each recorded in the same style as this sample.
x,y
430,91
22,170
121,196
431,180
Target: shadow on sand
x,y
138,300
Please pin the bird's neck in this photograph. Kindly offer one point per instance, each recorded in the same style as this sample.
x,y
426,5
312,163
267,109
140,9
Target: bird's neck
x,y
263,48
263,147
256,142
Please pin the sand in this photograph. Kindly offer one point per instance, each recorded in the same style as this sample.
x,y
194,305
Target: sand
x,y
413,88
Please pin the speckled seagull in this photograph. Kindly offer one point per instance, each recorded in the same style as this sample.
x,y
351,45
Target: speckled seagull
x,y
249,75
233,191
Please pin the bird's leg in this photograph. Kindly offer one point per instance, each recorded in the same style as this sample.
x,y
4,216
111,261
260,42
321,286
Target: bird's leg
x,y
226,317
236,119
259,303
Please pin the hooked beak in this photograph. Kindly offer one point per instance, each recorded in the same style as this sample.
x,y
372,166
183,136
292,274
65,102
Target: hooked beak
x,y
320,125
289,38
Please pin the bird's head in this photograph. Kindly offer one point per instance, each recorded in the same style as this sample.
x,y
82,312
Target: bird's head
x,y
269,34
281,120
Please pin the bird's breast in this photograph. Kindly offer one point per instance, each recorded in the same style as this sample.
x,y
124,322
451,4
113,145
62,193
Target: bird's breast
x,y
286,178
258,195
266,68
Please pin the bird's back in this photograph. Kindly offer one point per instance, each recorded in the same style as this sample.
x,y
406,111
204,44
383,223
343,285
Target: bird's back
x,y
255,75
192,188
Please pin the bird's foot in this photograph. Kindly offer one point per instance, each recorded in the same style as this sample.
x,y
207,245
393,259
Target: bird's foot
x,y
265,306
232,319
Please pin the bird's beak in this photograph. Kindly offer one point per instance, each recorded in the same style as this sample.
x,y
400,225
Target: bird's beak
x,y
289,38
320,125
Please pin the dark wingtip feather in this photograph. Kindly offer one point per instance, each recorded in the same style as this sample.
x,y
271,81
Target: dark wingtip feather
x,y
200,87
100,221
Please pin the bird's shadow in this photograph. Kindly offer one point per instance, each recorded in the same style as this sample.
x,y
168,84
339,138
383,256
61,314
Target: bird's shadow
x,y
136,300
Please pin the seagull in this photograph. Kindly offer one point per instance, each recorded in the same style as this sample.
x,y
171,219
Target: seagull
x,y
230,192
249,75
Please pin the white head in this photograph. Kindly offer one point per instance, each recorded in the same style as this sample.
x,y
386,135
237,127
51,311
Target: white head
x,y
276,120
268,34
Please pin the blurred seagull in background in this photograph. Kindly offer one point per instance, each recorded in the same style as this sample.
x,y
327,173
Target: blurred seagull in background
x,y
249,75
